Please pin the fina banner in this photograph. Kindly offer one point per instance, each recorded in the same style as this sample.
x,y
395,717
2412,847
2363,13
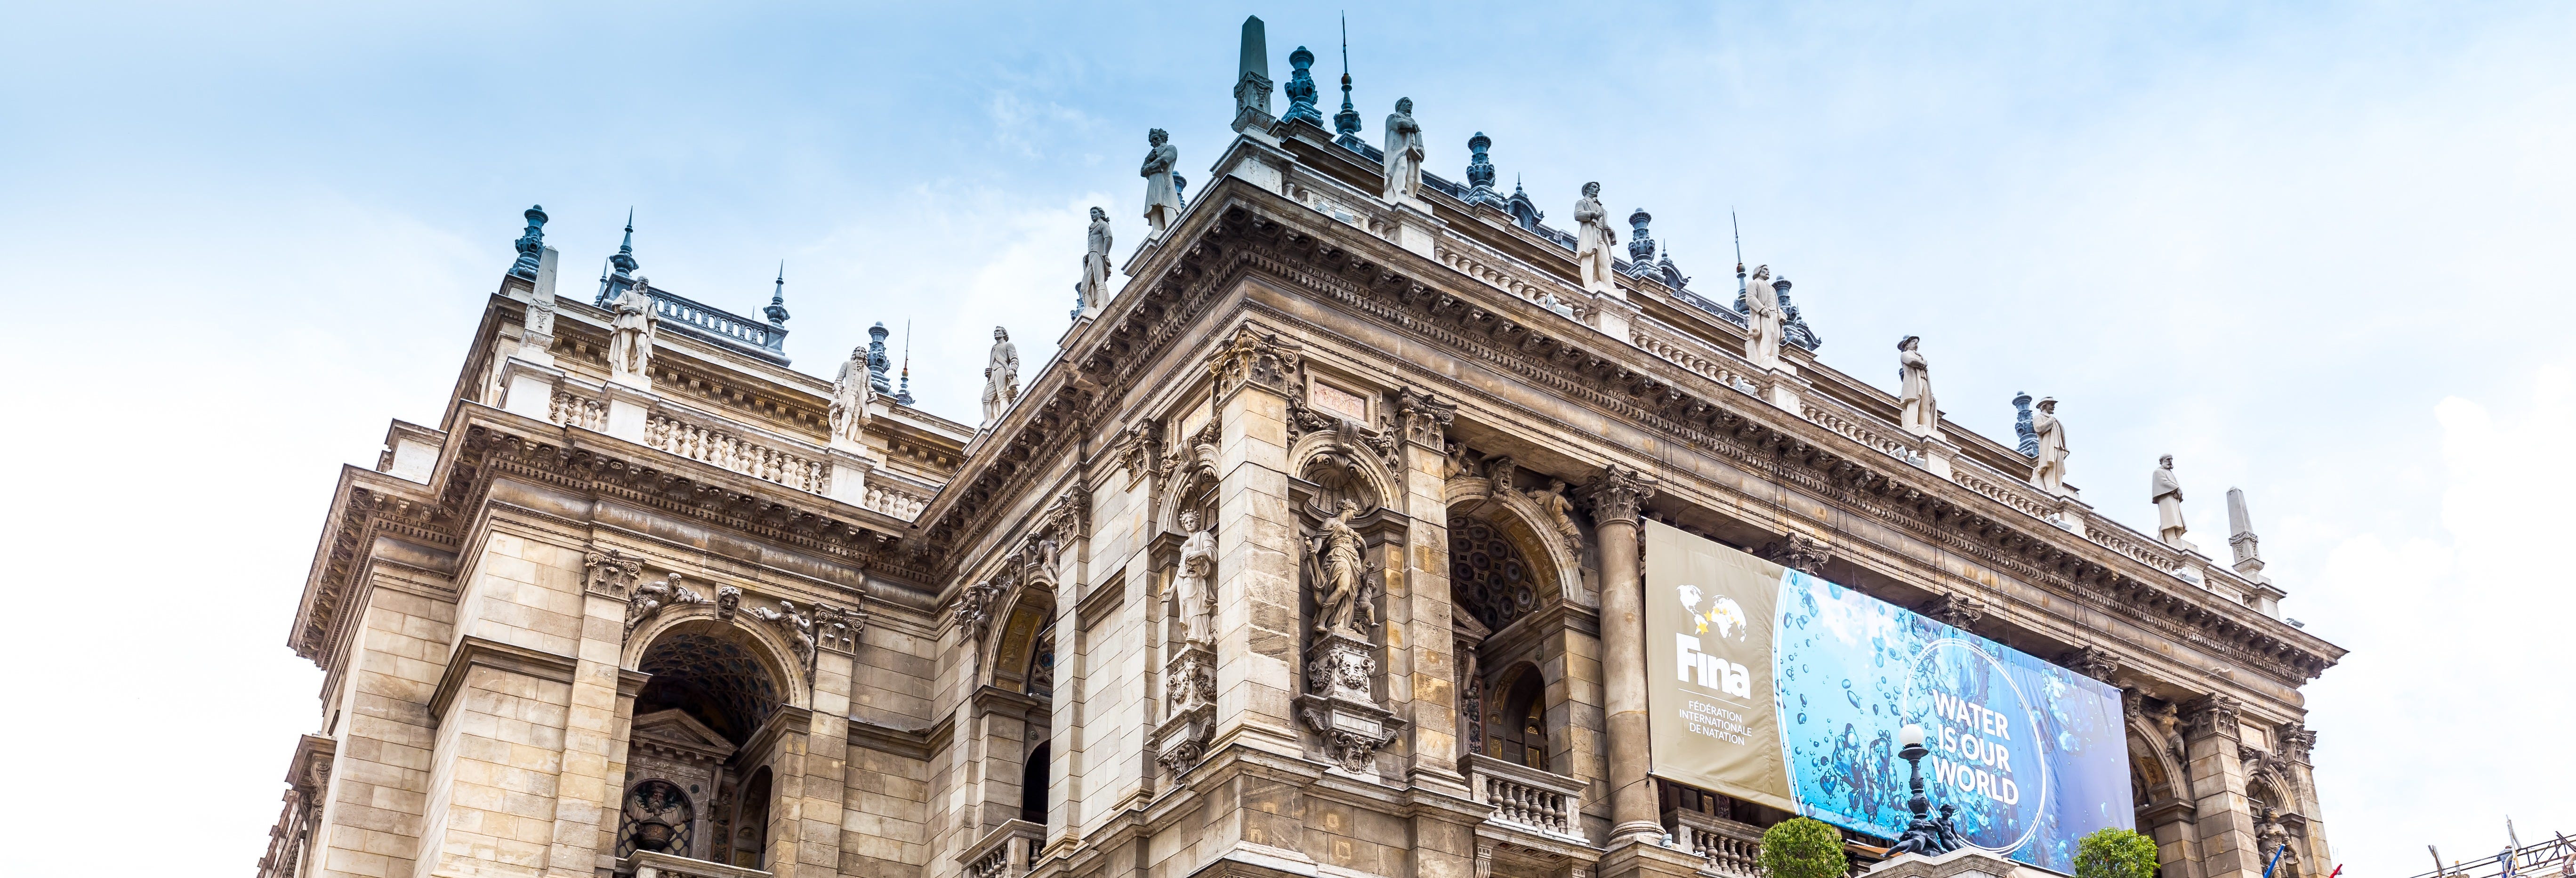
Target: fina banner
x,y
1776,687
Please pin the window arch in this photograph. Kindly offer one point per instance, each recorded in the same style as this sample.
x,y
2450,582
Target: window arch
x,y
1516,723
1488,576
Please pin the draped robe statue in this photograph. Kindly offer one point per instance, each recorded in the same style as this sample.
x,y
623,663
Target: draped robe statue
x,y
1338,568
1095,261
2167,495
850,394
1917,413
2050,472
1762,318
1403,153
1162,198
1593,240
630,335
1194,585
1001,376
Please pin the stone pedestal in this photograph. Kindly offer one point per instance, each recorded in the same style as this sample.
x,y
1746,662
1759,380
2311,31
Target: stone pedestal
x,y
528,385
1414,226
1937,454
849,476
627,408
1339,704
1612,314
1961,863
1189,694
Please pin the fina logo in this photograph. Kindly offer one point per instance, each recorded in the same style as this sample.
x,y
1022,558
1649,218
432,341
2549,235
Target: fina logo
x,y
1702,668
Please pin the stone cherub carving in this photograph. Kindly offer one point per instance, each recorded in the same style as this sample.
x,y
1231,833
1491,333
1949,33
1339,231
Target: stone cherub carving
x,y
1917,413
1762,316
1339,568
850,395
1162,197
1194,585
2050,472
1403,153
791,622
1560,511
1593,261
630,335
1095,261
1001,376
651,597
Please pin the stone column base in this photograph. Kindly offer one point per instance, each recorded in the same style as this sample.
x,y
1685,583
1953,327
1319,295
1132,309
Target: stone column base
x,y
1638,857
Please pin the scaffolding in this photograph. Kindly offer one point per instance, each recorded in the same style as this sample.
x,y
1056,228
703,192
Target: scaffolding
x,y
2555,858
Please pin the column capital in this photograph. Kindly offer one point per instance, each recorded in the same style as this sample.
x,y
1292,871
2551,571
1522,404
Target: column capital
x,y
1255,357
2211,715
1617,493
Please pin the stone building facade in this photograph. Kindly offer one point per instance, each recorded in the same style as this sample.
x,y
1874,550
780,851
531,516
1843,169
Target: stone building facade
x,y
1316,552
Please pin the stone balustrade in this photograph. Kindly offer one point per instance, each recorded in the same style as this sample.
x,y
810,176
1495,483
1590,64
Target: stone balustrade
x,y
647,864
1689,352
573,410
1824,412
1730,848
899,499
1527,798
794,465
1004,852
2012,491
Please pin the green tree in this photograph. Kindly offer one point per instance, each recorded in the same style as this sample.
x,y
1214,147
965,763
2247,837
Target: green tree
x,y
1802,848
2115,853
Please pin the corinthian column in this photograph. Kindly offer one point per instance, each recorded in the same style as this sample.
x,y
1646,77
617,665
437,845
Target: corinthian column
x,y
1614,497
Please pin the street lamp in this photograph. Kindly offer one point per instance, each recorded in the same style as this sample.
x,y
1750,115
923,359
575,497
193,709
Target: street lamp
x,y
1910,740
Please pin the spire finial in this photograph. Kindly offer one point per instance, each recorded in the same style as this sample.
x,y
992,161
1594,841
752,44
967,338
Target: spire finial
x,y
777,310
904,393
1347,122
625,258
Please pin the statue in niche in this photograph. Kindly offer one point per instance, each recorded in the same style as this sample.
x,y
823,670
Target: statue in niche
x,y
1917,413
630,334
1592,260
2050,472
1162,196
1095,261
1339,569
2167,495
1762,317
1194,584
1403,153
1001,376
1560,511
850,394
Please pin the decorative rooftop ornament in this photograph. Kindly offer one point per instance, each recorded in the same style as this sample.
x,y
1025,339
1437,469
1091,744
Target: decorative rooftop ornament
x,y
1252,86
777,310
625,258
2029,445
1672,274
1301,89
1347,122
877,357
1641,246
1524,211
1592,248
1162,198
1403,153
1480,168
532,244
1793,328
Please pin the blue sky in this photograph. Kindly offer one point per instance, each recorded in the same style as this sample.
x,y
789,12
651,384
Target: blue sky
x,y
2320,252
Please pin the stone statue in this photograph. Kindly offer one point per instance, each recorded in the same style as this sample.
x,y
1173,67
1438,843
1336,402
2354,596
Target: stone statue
x,y
1001,376
1338,570
630,335
850,394
1095,261
1162,199
1592,259
1762,317
2166,493
792,623
1403,153
1561,511
2050,473
1917,413
1194,585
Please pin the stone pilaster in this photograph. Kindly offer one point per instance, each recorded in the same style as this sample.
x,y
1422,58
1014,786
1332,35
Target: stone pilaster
x,y
1423,681
825,781
1257,620
2222,816
1615,497
596,723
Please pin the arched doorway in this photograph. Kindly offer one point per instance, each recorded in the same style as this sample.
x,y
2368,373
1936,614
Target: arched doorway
x,y
697,772
1033,784
1516,728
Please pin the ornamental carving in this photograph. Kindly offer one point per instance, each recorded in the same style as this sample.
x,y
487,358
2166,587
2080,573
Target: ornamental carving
x,y
1189,696
728,599
974,612
2092,661
652,598
1424,419
1798,552
1140,449
1552,501
609,572
2212,715
1254,357
1957,610
2296,742
1616,494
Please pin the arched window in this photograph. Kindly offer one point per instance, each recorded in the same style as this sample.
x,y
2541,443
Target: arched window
x,y
693,789
1516,727
1033,785
1487,575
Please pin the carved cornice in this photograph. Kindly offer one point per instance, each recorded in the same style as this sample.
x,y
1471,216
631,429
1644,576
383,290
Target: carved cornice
x,y
1238,233
1616,494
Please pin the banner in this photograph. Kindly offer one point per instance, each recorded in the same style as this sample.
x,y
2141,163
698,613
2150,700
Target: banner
x,y
1779,688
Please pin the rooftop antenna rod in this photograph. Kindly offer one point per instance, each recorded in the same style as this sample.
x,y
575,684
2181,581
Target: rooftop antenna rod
x,y
1740,288
907,356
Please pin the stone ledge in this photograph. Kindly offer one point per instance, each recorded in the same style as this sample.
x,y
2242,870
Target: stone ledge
x,y
475,651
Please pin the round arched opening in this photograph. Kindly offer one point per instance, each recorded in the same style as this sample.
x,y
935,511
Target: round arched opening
x,y
1516,727
705,670
1033,784
1488,575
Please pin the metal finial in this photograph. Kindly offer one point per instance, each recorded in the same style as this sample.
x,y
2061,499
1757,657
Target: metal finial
x,y
531,243
625,258
1347,122
904,394
777,310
